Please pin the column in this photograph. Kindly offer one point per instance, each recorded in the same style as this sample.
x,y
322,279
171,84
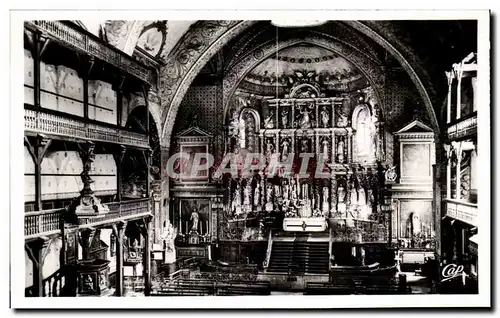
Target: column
x,y
40,43
38,149
118,231
146,103
145,231
449,76
459,71
449,152
459,168
118,155
37,251
474,92
165,195
349,147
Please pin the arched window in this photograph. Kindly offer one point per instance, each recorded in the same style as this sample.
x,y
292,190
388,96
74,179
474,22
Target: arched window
x,y
249,129
362,122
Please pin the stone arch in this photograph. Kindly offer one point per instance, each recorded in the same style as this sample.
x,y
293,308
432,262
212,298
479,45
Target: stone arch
x,y
410,70
124,34
371,70
202,41
154,107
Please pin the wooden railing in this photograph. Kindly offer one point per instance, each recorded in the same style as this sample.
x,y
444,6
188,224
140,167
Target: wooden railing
x,y
48,222
462,211
39,121
121,211
88,43
42,222
463,127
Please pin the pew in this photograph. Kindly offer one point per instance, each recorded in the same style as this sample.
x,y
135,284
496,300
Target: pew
x,y
211,287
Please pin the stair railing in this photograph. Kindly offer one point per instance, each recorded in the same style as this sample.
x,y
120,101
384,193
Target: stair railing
x,y
269,248
330,249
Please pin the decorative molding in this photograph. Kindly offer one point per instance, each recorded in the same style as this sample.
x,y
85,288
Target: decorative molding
x,y
373,72
194,50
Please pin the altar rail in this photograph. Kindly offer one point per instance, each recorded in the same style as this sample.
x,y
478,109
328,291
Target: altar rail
x,y
40,121
48,222
463,128
462,211
71,36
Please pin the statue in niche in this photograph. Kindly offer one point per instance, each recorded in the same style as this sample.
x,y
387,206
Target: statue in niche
x,y
284,118
340,150
268,121
325,206
353,195
364,132
325,118
305,119
256,195
236,204
269,198
304,146
286,192
285,144
269,148
341,194
324,144
246,194
293,191
195,219
341,119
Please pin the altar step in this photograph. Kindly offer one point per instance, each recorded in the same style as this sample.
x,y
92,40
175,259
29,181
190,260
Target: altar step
x,y
299,257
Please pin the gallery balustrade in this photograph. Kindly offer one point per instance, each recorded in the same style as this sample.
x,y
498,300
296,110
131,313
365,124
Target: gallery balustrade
x,y
40,121
48,222
71,36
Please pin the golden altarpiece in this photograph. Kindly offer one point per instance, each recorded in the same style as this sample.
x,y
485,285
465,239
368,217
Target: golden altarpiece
x,y
340,145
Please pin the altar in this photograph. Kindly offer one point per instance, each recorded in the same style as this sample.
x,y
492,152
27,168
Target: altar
x,y
305,224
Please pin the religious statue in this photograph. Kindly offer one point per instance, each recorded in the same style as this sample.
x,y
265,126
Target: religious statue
x,y
246,194
284,119
256,195
325,143
325,206
268,121
285,144
353,196
390,174
341,119
236,204
304,146
195,218
286,191
341,194
269,199
293,191
325,117
305,121
168,237
340,150
269,148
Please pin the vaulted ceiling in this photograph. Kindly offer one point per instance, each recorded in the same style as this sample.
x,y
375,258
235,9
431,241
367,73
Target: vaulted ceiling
x,y
424,48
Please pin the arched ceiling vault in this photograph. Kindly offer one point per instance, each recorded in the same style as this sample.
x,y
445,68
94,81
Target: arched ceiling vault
x,y
191,44
372,71
205,38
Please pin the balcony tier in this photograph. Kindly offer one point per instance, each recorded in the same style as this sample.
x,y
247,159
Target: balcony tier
x,y
41,121
71,36
462,211
49,222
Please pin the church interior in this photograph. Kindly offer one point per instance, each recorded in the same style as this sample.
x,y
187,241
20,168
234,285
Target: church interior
x,y
118,113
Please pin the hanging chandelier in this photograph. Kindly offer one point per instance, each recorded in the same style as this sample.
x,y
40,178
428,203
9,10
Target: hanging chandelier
x,y
297,23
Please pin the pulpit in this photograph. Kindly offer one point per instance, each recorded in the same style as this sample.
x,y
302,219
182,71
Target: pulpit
x,y
90,278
